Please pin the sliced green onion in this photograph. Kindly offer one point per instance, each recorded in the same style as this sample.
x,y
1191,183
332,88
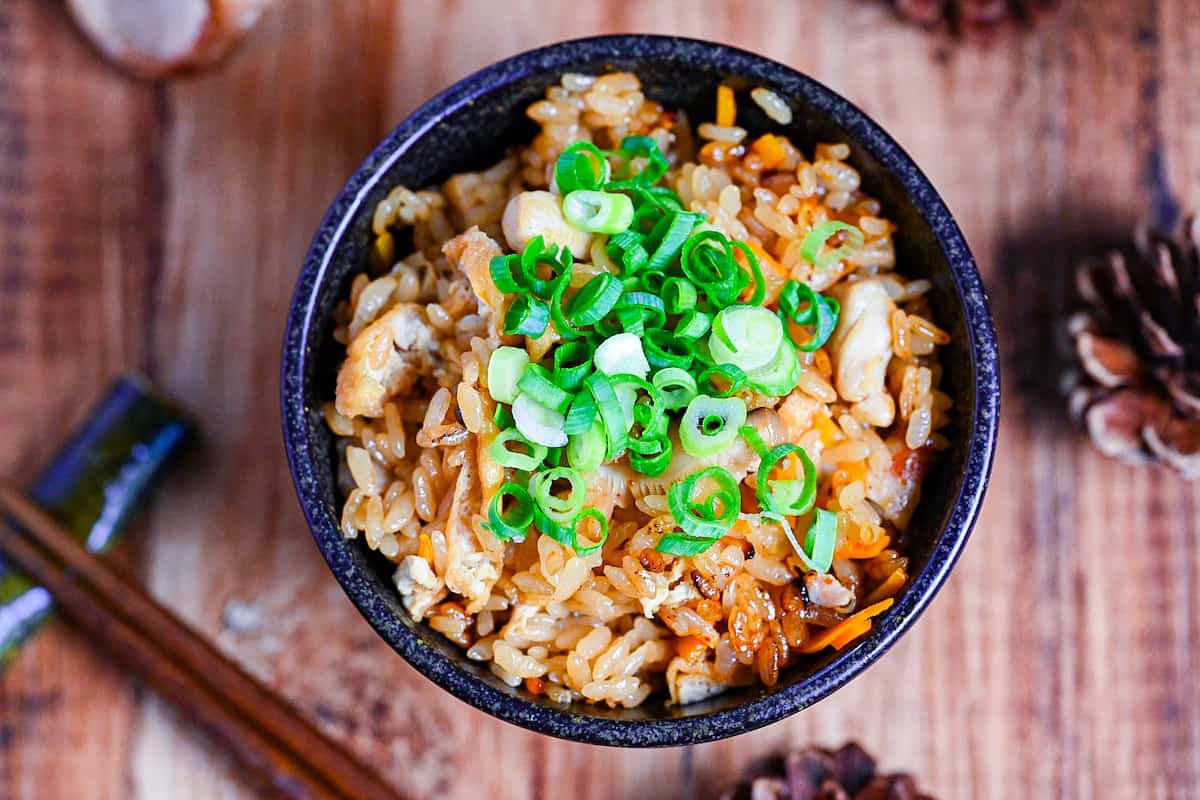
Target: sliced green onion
x,y
652,281
601,522
783,496
710,517
779,376
563,326
692,325
539,424
503,417
676,386
710,424
537,258
746,336
663,349
626,249
511,525
572,363
502,276
597,297
538,384
674,544
560,509
760,285
505,368
621,354
821,540
708,261
679,295
750,434
804,306
653,456
598,212
612,418
585,451
656,163
559,531
732,377
626,387
527,316
679,226
813,249
554,456
525,462
648,308
582,165
581,415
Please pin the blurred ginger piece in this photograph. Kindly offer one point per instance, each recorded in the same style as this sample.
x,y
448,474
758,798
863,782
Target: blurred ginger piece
x,y
156,38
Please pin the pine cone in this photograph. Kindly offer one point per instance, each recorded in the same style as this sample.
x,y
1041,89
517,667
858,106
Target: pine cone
x,y
1138,344
971,17
817,774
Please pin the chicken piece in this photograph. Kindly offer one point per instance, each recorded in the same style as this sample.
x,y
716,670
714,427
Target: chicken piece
x,y
420,589
472,252
471,572
532,214
861,346
385,360
608,486
826,590
691,687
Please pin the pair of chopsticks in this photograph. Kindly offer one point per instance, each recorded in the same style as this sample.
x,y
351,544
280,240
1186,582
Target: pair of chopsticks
x,y
264,731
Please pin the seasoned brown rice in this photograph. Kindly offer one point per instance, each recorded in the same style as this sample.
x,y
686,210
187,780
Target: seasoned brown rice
x,y
615,626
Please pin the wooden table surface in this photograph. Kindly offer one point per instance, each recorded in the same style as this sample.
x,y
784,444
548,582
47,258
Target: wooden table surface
x,y
160,227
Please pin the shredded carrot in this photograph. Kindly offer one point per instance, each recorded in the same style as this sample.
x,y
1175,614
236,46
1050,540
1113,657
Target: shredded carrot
x,y
690,648
774,275
535,685
849,472
726,107
741,527
829,431
832,635
425,547
383,251
769,148
852,632
892,584
822,363
861,550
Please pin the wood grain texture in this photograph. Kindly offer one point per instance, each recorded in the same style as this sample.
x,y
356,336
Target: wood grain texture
x,y
161,227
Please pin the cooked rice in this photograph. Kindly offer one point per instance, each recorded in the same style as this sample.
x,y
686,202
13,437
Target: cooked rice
x,y
617,625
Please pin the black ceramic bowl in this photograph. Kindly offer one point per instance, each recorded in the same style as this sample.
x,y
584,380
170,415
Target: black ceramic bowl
x,y
468,126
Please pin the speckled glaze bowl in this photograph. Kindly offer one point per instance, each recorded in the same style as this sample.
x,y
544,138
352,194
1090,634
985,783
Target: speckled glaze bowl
x,y
468,126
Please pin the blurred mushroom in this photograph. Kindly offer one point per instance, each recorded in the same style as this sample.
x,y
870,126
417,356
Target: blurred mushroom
x,y
157,38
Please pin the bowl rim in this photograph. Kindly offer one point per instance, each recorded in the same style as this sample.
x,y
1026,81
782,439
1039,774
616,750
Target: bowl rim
x,y
755,712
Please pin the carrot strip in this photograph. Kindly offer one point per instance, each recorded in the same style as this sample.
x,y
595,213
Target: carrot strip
x,y
774,275
690,648
851,633
769,149
889,587
425,547
535,685
860,550
726,108
853,622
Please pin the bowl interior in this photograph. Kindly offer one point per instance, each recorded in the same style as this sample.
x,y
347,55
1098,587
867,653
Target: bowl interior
x,y
469,127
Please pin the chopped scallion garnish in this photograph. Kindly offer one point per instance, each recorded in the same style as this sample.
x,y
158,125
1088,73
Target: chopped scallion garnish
x,y
815,247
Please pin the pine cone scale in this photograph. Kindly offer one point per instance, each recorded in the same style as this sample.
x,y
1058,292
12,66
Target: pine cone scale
x,y
813,773
1137,343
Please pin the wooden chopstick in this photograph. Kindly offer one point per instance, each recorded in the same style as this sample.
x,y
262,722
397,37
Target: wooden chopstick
x,y
264,732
